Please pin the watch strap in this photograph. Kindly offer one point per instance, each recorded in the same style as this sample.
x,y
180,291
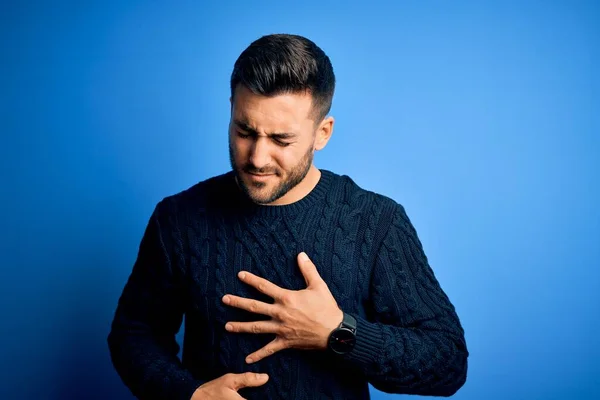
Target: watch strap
x,y
348,322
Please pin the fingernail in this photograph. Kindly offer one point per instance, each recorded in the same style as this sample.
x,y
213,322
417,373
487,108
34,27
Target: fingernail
x,y
242,275
249,360
303,256
226,299
228,327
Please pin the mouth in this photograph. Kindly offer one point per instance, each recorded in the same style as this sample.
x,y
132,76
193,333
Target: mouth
x,y
259,177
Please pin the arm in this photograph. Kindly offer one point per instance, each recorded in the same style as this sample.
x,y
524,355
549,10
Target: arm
x,y
413,342
149,313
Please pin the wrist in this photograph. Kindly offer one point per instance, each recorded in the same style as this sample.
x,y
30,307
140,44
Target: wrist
x,y
332,325
342,339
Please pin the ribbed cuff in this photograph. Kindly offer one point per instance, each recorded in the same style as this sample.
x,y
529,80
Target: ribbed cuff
x,y
369,343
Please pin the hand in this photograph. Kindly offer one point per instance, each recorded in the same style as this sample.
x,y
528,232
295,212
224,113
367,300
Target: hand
x,y
300,319
226,387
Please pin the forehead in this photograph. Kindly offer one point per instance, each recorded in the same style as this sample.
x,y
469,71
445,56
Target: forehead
x,y
282,111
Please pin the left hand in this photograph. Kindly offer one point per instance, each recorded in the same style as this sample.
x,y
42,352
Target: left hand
x,y
301,319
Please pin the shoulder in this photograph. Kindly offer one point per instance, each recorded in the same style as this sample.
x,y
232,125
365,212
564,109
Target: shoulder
x,y
357,196
382,212
212,192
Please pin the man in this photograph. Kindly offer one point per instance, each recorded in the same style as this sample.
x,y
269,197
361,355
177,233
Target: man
x,y
295,283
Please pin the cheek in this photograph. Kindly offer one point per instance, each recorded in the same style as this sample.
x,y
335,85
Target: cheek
x,y
240,149
287,159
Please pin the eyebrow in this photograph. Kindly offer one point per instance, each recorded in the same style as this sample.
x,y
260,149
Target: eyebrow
x,y
278,135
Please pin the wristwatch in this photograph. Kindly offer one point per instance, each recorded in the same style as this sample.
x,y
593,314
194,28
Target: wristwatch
x,y
342,339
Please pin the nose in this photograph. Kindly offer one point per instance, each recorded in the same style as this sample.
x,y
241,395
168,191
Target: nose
x,y
259,154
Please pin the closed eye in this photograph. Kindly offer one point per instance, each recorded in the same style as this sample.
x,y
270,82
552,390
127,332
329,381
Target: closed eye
x,y
282,144
279,142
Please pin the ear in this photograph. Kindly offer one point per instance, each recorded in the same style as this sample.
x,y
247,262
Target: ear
x,y
324,132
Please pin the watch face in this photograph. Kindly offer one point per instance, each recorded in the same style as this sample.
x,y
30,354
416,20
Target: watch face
x,y
342,341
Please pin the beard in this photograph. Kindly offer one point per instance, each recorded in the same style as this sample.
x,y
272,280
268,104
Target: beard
x,y
291,178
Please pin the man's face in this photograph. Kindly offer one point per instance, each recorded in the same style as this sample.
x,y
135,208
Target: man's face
x,y
271,143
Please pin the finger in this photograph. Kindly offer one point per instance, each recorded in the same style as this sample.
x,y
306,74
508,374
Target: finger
x,y
254,306
263,285
309,270
247,379
271,348
253,327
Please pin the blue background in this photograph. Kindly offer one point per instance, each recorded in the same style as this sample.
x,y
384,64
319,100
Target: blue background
x,y
482,119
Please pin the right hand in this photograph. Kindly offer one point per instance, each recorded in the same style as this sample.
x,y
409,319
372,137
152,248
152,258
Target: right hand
x,y
226,387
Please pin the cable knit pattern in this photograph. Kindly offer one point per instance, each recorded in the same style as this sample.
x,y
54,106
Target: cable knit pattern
x,y
224,347
367,243
409,337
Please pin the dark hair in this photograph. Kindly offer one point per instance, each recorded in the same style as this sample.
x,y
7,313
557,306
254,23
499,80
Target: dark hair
x,y
284,63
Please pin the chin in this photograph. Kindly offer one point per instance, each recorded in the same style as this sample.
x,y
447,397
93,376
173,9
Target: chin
x,y
258,194
261,198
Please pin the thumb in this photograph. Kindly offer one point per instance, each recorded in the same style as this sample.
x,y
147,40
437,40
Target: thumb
x,y
308,269
248,379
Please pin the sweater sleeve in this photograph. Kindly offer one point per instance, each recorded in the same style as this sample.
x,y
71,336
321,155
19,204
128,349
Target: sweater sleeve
x,y
149,314
413,342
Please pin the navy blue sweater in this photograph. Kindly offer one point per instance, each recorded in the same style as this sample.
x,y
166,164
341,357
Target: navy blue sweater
x,y
409,337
